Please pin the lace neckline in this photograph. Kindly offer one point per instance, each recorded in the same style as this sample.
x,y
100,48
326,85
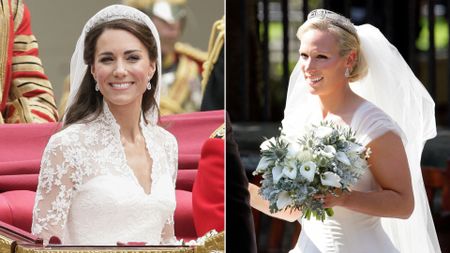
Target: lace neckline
x,y
108,117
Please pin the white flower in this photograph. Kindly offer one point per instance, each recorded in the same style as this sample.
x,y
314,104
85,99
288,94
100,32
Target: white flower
x,y
342,157
291,170
329,151
330,179
293,149
266,144
323,131
308,170
304,156
283,200
277,173
262,165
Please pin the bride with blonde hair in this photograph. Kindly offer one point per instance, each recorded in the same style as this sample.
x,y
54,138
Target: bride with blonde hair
x,y
353,76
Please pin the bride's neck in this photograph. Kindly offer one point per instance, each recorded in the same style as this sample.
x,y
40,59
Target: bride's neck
x,y
338,102
128,120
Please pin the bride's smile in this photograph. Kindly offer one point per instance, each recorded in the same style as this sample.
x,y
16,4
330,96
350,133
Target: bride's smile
x,y
121,85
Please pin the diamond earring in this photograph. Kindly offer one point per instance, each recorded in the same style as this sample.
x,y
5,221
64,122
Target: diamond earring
x,y
347,72
96,87
149,85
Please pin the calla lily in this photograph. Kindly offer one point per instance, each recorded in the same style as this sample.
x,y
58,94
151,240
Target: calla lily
x,y
283,200
329,151
330,179
266,144
291,170
323,131
307,170
262,165
277,173
342,157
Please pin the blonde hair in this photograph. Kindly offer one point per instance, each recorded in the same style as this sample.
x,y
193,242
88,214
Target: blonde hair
x,y
345,33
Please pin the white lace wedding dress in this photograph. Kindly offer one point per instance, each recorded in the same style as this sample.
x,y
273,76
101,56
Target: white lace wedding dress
x,y
348,231
87,194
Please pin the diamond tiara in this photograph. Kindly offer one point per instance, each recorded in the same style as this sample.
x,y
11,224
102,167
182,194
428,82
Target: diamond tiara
x,y
334,18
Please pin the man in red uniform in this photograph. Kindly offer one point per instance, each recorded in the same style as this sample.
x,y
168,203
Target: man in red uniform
x,y
26,95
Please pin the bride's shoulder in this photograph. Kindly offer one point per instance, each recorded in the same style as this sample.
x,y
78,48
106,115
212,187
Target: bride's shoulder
x,y
369,112
67,135
370,122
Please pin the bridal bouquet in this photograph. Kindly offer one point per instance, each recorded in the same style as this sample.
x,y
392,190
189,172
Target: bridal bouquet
x,y
296,171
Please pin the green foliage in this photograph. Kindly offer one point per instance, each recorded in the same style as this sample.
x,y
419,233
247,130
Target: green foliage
x,y
440,34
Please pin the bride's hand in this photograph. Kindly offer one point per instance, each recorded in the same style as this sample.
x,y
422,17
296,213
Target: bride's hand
x,y
331,200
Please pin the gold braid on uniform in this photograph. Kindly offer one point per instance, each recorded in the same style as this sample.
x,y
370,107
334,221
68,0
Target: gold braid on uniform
x,y
215,45
190,51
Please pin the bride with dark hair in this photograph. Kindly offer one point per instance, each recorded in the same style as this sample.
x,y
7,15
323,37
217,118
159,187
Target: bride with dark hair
x,y
109,174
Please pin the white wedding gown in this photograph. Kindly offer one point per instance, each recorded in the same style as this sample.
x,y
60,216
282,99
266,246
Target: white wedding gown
x,y
87,194
348,231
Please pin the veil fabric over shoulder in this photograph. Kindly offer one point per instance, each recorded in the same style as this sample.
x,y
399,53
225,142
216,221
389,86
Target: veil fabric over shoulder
x,y
392,86
78,67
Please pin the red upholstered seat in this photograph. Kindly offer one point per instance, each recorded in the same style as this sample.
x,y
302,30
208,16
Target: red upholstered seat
x,y
22,145
184,223
16,208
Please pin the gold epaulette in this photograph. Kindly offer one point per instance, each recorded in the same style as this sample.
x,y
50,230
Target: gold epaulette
x,y
191,52
215,45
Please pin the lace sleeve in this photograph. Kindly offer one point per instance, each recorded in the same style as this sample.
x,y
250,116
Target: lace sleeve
x,y
168,233
54,192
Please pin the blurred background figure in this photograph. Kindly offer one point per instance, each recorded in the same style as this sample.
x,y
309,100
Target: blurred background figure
x,y
26,95
181,89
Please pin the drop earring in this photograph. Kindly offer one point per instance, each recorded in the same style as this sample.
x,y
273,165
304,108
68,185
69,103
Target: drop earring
x,y
149,85
96,87
347,72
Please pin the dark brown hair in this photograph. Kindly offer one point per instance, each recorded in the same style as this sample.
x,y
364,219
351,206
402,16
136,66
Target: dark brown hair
x,y
88,103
